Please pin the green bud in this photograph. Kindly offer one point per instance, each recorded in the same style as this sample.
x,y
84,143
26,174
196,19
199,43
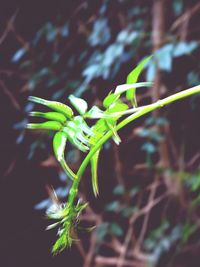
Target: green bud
x,y
57,106
59,144
48,125
54,116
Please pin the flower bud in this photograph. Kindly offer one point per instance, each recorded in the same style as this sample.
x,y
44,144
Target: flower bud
x,y
48,125
57,106
54,116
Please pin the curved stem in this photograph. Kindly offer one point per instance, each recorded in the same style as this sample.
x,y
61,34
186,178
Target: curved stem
x,y
142,111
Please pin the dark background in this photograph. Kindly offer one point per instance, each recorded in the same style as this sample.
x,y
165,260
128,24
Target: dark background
x,y
60,41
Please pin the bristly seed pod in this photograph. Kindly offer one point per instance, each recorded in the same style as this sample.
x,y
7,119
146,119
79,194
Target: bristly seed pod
x,y
57,106
54,116
48,125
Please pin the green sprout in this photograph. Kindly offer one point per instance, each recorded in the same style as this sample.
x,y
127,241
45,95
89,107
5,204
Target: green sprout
x,y
115,115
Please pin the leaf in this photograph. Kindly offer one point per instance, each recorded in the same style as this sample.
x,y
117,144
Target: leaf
x,y
19,54
184,48
94,165
125,87
116,229
79,104
118,106
132,78
110,99
149,147
101,231
113,206
164,57
177,7
119,190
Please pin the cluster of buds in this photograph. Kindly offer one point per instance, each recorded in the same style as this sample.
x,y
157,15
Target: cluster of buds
x,y
67,127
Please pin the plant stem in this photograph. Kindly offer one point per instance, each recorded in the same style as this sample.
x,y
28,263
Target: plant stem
x,y
141,112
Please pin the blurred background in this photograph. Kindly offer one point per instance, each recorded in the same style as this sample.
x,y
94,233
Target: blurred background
x,y
148,211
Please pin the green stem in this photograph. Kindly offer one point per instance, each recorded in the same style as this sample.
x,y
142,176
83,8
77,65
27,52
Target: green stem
x,y
142,111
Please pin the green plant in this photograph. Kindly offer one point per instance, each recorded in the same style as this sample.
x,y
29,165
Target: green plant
x,y
75,129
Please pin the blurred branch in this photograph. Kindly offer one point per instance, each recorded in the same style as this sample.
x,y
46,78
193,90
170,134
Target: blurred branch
x,y
146,218
143,211
11,97
113,261
9,26
118,165
185,17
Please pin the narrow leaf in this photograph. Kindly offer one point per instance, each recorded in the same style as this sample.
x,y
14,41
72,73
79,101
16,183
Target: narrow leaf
x,y
115,136
94,165
110,99
132,78
125,87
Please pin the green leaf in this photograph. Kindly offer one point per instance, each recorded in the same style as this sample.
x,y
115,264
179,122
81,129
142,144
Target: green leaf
x,y
113,206
79,104
94,164
118,106
102,230
132,78
110,99
116,229
119,190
